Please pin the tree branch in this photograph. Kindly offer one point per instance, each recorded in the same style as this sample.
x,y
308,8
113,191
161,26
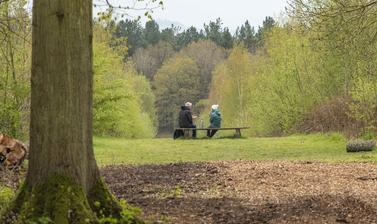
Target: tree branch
x,y
149,7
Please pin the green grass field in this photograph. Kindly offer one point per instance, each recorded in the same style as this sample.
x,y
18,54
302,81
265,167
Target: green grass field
x,y
326,148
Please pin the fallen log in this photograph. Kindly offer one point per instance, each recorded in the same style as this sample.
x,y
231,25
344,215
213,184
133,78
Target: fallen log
x,y
12,152
360,145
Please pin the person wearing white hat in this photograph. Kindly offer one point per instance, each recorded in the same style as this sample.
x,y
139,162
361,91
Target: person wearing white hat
x,y
215,120
188,104
186,118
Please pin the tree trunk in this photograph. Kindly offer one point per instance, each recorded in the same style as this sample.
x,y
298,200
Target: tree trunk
x,y
63,182
61,92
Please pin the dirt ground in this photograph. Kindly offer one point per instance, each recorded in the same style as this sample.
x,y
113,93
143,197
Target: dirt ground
x,y
250,192
241,192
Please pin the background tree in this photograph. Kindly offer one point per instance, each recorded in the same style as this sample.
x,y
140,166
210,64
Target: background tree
x,y
119,94
133,31
148,60
169,35
268,24
188,36
14,68
345,31
213,31
146,99
247,36
175,83
206,55
227,39
230,87
151,33
221,36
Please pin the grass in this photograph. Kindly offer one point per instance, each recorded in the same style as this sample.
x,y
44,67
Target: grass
x,y
325,148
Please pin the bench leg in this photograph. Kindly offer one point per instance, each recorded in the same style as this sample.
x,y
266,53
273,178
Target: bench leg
x,y
238,133
186,133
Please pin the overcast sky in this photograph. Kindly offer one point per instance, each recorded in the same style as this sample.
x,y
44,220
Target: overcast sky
x,y
232,12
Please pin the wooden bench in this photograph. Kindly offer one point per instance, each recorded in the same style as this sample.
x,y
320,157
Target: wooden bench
x,y
188,131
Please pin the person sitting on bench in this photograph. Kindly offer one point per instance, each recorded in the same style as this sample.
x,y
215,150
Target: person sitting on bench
x,y
186,118
215,120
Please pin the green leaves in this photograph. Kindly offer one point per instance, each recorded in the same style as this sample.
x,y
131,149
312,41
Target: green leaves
x,y
176,83
122,99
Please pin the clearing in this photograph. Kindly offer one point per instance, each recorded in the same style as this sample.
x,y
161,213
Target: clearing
x,y
296,179
325,148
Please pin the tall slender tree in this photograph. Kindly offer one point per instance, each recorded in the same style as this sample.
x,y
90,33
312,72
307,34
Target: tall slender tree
x,y
151,33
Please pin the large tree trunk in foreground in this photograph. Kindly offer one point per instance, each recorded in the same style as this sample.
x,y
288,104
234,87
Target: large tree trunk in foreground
x,y
61,93
63,182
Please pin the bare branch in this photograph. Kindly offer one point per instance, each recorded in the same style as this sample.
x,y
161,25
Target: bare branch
x,y
148,7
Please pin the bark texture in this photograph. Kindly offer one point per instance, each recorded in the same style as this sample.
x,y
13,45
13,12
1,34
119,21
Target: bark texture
x,y
63,183
61,92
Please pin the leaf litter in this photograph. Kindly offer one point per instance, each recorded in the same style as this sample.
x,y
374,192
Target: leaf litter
x,y
249,192
243,192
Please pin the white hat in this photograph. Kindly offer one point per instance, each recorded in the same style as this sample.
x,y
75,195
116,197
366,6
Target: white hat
x,y
188,104
215,107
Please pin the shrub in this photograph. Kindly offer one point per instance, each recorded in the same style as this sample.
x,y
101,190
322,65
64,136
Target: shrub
x,y
330,116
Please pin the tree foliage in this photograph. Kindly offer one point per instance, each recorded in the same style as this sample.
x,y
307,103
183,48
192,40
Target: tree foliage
x,y
15,56
132,30
206,55
185,77
122,98
176,83
272,78
326,51
230,87
142,37
149,60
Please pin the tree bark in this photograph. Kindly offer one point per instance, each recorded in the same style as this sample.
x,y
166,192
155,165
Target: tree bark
x,y
61,92
63,183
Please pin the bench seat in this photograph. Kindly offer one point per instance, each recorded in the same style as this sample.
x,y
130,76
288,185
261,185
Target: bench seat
x,y
187,131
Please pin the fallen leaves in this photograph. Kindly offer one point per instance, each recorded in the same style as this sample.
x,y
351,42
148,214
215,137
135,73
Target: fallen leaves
x,y
250,192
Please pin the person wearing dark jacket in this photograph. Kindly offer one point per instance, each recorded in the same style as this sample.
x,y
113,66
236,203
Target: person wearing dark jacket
x,y
185,120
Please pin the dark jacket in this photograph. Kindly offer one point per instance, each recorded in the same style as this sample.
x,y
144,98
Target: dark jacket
x,y
215,119
185,118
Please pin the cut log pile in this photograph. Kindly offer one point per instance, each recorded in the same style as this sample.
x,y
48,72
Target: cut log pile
x,y
12,152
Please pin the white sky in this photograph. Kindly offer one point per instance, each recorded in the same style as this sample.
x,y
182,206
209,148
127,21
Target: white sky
x,y
232,12
197,12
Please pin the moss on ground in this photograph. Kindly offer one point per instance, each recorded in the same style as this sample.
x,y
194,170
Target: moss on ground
x,y
60,200
108,209
6,196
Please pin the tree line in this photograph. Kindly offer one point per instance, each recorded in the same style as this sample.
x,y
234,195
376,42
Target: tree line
x,y
314,72
150,34
142,73
180,63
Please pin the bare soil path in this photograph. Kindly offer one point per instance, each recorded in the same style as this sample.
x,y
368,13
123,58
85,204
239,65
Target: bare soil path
x,y
250,192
